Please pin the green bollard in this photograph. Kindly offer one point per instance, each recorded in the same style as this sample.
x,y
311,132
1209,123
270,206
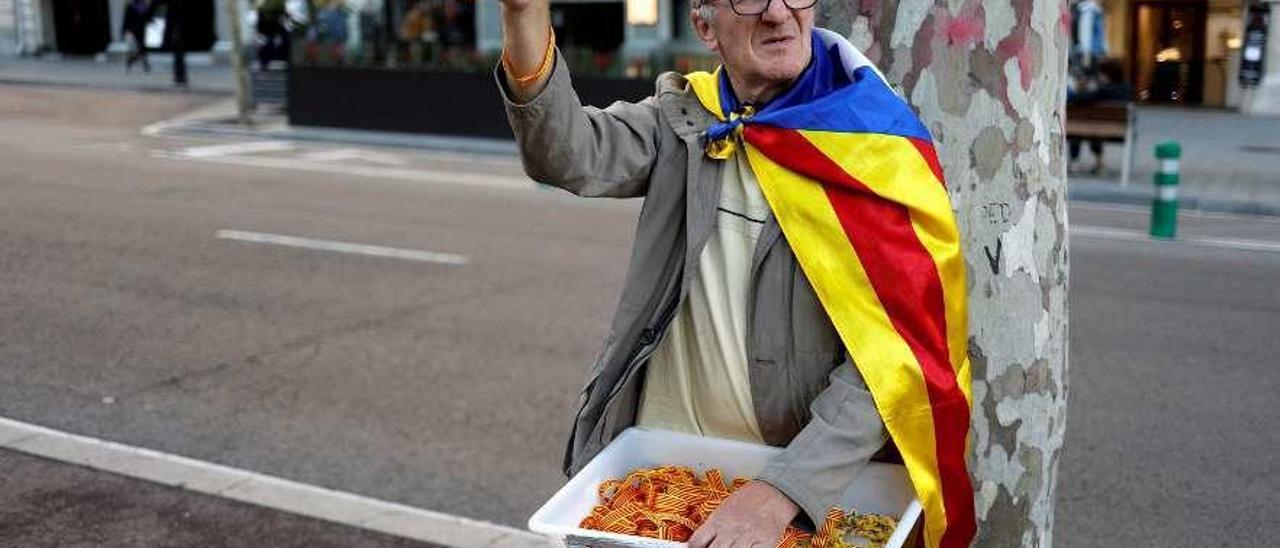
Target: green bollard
x,y
1164,208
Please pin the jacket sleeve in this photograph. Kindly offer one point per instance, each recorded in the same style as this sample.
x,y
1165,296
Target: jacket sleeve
x,y
583,149
821,461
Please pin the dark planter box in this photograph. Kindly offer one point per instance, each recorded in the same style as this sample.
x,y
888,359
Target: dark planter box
x,y
442,103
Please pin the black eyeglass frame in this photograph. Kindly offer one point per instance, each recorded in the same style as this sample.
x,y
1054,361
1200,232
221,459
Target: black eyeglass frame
x,y
733,4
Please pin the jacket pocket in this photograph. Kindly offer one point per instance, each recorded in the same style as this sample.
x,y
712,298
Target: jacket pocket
x,y
813,336
771,310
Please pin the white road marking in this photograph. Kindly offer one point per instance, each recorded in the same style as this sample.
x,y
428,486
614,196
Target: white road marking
x,y
1137,236
272,492
1107,233
157,129
417,175
212,111
1184,213
250,147
342,247
349,154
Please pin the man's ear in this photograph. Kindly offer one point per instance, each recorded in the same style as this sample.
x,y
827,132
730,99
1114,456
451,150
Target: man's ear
x,y
705,30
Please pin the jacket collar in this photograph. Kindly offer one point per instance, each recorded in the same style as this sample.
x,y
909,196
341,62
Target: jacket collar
x,y
680,106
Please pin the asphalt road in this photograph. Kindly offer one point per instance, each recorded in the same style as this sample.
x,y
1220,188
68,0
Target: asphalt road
x,y
441,386
1171,437
56,505
129,312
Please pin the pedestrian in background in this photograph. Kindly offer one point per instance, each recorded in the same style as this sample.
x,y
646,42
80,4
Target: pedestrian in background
x,y
416,28
1107,85
174,30
273,30
137,13
327,37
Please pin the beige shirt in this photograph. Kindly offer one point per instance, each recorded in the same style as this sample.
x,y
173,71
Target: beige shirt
x,y
697,380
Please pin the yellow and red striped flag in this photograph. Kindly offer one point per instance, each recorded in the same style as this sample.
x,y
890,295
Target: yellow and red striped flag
x,y
851,175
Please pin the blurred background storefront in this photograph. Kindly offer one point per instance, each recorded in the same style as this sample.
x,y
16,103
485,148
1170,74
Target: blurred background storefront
x,y
424,65
93,27
1182,52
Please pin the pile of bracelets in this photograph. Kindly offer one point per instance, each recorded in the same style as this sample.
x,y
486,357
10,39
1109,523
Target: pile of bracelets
x,y
671,502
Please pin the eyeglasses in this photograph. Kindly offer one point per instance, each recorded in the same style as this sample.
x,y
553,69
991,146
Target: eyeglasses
x,y
757,7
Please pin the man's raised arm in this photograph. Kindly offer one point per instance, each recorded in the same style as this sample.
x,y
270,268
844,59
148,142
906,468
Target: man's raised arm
x,y
585,150
526,34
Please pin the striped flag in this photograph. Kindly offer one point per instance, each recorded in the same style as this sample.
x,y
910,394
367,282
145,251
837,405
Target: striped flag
x,y
851,175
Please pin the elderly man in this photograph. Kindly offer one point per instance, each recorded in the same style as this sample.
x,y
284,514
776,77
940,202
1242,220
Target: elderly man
x,y
747,306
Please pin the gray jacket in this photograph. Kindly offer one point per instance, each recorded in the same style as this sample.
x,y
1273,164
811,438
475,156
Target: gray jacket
x,y
808,396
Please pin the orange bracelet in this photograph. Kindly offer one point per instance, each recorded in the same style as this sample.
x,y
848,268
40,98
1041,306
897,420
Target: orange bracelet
x,y
547,58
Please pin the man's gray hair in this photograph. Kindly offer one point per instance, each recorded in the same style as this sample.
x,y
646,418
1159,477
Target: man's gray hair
x,y
706,11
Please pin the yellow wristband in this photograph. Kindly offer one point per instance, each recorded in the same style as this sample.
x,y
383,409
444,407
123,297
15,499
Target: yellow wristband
x,y
545,67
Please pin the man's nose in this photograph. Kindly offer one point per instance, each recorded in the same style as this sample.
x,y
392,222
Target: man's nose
x,y
776,13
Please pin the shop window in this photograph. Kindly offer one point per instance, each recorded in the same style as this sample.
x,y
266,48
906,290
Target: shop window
x,y
392,34
1169,51
81,26
441,35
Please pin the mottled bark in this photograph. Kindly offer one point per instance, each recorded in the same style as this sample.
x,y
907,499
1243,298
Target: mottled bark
x,y
988,79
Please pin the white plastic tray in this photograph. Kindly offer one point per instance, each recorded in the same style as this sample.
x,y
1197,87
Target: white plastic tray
x,y
879,488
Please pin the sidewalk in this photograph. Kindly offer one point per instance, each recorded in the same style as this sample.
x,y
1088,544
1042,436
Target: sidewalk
x,y
110,74
50,503
1230,162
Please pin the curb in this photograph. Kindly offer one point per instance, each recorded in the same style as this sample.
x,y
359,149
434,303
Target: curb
x,y
218,120
474,145
145,87
1141,195
271,492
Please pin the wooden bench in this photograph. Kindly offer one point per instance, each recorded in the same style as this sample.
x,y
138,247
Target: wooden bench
x,y
1107,121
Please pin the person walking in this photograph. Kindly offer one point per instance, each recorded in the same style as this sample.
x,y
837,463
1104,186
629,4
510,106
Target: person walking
x,y
273,28
174,30
136,16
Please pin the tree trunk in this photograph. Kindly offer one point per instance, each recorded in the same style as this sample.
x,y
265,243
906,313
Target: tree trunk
x,y
989,78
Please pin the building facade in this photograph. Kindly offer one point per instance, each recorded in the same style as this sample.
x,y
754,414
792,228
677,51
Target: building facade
x,y
91,27
1178,52
1261,59
636,27
1183,52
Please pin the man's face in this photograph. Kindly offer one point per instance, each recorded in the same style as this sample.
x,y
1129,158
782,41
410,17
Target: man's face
x,y
765,50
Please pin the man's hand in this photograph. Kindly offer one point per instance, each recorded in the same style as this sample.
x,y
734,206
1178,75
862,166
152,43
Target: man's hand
x,y
755,515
